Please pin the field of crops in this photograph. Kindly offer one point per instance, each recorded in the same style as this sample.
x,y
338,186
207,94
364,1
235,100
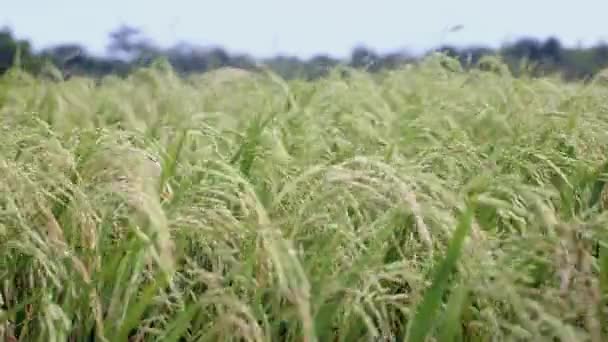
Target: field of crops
x,y
427,202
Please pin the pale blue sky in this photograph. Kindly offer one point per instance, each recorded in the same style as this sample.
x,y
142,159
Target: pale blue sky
x,y
267,27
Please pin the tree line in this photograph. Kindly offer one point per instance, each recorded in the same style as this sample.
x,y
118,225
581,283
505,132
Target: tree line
x,y
129,49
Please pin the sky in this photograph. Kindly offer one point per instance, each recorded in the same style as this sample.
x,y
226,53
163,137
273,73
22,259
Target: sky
x,y
264,28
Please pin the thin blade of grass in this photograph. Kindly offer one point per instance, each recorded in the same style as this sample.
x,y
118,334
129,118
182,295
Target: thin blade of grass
x,y
137,309
451,322
180,324
425,315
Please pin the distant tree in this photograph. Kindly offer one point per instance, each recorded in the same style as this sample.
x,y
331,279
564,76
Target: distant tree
x,y
186,59
14,51
600,52
394,59
448,50
129,49
472,55
525,48
288,67
217,58
242,61
73,59
128,42
365,58
320,65
65,51
551,50
8,47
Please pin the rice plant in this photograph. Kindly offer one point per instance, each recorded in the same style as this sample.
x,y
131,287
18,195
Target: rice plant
x,y
428,203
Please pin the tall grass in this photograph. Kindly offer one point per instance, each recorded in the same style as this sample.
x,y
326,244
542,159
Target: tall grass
x,y
427,203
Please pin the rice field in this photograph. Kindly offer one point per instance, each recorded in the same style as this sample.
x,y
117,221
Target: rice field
x,y
427,203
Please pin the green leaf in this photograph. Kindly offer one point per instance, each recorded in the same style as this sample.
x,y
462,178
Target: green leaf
x,y
423,320
136,310
452,319
181,323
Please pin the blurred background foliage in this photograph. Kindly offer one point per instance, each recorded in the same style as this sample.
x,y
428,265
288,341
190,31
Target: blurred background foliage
x,y
129,48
